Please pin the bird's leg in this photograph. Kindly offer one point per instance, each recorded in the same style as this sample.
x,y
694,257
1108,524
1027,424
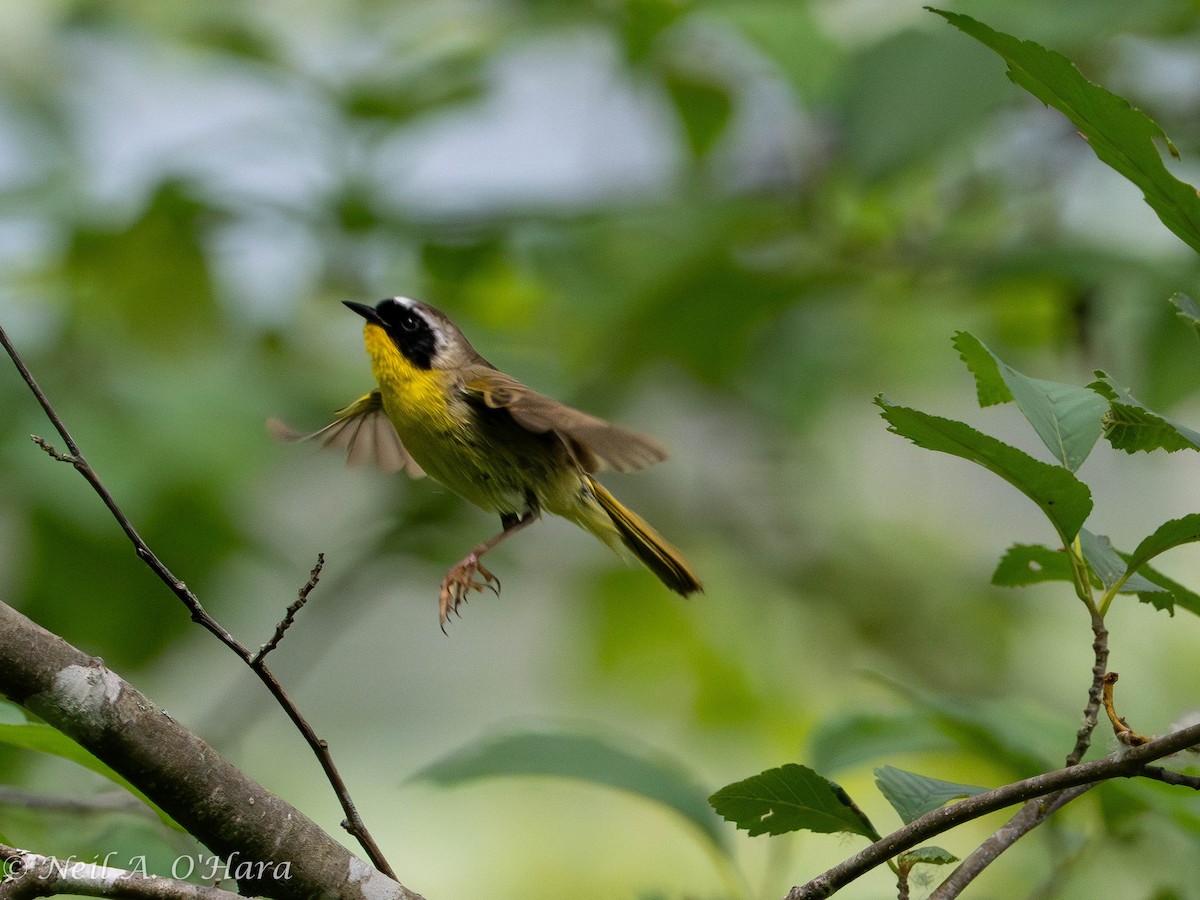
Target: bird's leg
x,y
461,578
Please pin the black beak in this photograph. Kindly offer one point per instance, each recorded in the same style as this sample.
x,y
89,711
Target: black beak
x,y
367,312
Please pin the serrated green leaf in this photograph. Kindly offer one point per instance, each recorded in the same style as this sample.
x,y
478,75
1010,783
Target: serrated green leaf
x,y
1176,594
1065,416
934,856
913,795
42,738
1130,426
1174,533
791,798
1121,136
1064,499
1024,564
586,758
990,386
850,740
1110,566
1188,309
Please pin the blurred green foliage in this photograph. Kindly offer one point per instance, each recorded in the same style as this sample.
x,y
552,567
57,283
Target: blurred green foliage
x,y
729,222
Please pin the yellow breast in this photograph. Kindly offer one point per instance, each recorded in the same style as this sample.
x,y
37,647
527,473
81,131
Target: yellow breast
x,y
413,398
437,428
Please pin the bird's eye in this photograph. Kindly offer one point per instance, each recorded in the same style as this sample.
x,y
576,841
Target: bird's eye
x,y
409,322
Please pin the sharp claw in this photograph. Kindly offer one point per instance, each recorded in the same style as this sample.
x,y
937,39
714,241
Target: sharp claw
x,y
458,584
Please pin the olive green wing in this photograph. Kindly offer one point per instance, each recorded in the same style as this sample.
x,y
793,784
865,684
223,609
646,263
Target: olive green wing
x,y
593,443
364,431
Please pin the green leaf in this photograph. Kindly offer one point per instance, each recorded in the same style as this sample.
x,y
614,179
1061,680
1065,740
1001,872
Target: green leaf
x,y
1024,564
1187,309
1130,426
1176,594
1024,739
1169,534
791,798
1064,499
642,23
127,272
913,795
934,856
42,738
585,758
1065,416
896,106
990,385
1121,136
704,106
1110,566
851,740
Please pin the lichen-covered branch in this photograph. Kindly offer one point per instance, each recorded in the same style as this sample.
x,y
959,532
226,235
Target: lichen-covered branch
x,y
28,875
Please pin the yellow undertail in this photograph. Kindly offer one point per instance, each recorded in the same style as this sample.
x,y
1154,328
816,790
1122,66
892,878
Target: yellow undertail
x,y
647,544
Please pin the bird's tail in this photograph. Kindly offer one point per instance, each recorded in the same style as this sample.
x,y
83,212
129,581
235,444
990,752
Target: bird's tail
x,y
647,544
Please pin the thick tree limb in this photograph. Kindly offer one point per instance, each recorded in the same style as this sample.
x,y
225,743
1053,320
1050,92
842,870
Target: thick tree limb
x,y
189,780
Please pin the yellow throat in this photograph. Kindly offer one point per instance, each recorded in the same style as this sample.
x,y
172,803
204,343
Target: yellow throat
x,y
412,397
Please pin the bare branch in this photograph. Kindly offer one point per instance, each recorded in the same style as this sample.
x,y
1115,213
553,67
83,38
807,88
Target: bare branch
x,y
1091,711
1031,815
1129,763
1121,729
192,783
1170,776
29,875
113,801
289,617
354,823
1036,812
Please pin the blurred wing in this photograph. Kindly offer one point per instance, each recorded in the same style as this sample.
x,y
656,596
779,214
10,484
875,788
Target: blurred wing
x,y
364,431
593,443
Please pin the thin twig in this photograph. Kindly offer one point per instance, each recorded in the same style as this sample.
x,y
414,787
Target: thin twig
x,y
1030,816
289,617
1091,712
1128,764
1036,812
1121,729
1131,738
1170,776
112,801
353,822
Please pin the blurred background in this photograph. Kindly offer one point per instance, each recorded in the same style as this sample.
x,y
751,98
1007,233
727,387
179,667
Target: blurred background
x,y
727,223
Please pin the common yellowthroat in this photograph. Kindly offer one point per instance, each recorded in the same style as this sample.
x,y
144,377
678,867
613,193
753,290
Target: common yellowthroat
x,y
443,410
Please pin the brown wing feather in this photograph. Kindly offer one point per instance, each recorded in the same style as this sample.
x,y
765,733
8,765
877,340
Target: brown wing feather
x,y
364,431
594,443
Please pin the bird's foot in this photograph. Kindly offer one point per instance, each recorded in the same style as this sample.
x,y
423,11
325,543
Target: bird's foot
x,y
460,581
